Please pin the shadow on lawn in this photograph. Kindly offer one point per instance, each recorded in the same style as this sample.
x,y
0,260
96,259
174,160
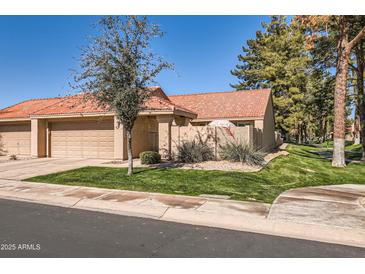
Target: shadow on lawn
x,y
349,155
311,154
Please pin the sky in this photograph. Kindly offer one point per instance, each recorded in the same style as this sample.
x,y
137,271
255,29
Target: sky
x,y
37,53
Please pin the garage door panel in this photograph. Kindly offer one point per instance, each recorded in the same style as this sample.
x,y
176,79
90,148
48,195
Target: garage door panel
x,y
15,139
84,139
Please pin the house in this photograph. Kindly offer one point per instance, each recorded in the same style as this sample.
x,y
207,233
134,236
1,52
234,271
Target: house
x,y
72,127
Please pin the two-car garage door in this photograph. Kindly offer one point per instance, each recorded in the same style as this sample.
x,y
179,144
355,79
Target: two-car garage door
x,y
67,139
82,139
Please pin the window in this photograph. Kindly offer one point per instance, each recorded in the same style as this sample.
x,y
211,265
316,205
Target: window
x,y
242,124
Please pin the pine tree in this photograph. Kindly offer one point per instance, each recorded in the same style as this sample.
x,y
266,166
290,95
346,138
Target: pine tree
x,y
346,41
319,103
277,59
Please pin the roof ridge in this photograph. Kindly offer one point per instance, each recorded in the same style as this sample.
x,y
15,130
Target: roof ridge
x,y
215,92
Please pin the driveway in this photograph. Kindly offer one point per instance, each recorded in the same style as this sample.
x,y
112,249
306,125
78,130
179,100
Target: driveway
x,y
336,206
22,169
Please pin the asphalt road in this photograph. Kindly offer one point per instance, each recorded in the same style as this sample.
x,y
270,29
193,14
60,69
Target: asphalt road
x,y
34,230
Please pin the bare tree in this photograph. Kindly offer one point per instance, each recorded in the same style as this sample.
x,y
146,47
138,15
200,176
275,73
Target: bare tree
x,y
118,65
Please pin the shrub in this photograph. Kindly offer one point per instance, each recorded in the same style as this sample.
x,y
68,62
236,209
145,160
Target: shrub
x,y
13,157
194,152
150,157
241,152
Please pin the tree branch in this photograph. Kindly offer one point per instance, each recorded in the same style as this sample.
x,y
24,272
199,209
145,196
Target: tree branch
x,y
351,65
357,39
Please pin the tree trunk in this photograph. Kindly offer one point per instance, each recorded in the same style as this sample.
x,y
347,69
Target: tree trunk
x,y
130,154
357,122
324,130
338,159
299,134
360,59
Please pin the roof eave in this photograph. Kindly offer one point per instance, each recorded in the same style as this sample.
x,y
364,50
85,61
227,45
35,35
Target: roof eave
x,y
229,118
16,119
71,115
111,113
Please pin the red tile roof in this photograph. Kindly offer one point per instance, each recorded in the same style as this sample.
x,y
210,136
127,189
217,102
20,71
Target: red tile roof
x,y
24,109
230,104
77,104
206,105
156,103
71,105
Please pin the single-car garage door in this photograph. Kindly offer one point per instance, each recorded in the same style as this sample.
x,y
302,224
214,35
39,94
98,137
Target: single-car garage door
x,y
15,139
82,139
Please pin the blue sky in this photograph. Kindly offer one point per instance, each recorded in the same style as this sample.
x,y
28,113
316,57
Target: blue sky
x,y
38,52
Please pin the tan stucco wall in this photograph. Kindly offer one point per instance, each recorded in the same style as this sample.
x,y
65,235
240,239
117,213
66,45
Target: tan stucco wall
x,y
214,136
164,135
38,138
264,131
269,127
120,141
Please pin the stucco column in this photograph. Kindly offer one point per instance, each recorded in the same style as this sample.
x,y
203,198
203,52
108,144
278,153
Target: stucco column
x,y
38,138
164,135
120,141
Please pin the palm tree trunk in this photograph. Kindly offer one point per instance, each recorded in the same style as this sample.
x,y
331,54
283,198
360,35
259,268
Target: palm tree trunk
x,y
338,159
130,154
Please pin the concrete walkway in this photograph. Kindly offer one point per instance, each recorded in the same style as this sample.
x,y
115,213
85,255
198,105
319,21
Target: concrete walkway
x,y
235,215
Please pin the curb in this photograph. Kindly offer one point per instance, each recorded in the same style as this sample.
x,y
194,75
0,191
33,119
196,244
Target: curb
x,y
321,233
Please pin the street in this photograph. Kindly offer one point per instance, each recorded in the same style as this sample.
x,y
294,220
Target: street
x,y
34,230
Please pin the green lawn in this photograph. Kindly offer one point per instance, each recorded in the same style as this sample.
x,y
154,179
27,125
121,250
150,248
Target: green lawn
x,y
301,168
350,146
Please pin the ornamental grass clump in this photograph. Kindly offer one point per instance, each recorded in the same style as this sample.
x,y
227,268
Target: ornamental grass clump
x,y
242,152
194,152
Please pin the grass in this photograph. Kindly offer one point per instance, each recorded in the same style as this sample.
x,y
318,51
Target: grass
x,y
301,168
350,146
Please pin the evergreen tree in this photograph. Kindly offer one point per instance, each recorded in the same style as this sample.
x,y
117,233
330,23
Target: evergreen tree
x,y
277,59
346,41
319,104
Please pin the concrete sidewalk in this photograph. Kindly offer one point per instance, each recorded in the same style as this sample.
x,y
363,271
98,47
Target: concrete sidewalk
x,y
235,215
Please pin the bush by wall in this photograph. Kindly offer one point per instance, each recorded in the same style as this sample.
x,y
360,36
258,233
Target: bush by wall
x,y
194,152
241,152
150,157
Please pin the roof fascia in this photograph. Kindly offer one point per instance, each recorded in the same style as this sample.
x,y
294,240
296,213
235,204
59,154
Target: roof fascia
x,y
14,119
226,118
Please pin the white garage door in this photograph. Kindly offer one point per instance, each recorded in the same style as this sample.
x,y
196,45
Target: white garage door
x,y
15,139
82,139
